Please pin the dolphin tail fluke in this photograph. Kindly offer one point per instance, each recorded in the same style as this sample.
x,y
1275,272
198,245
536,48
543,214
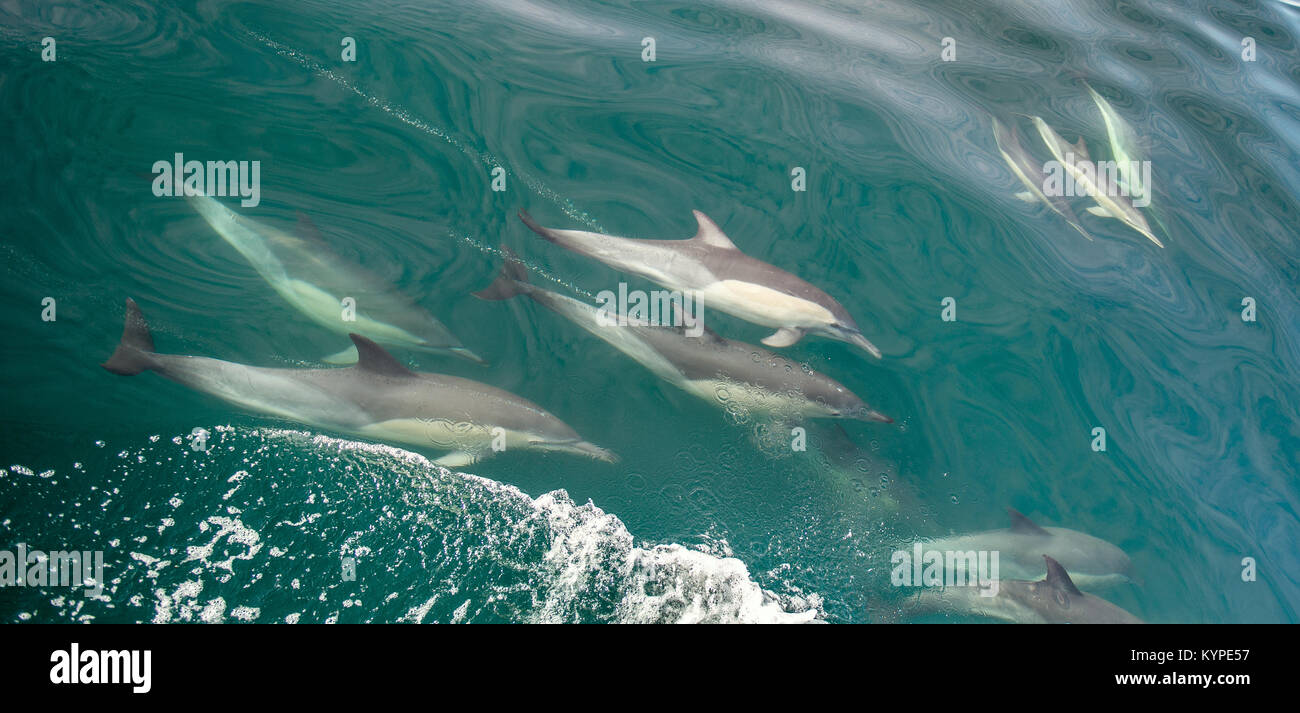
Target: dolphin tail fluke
x,y
134,352
513,278
533,226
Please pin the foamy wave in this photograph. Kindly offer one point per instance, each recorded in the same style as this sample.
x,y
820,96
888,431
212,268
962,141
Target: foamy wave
x,y
593,558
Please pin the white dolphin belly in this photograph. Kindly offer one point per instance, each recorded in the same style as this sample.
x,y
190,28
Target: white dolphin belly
x,y
726,394
764,305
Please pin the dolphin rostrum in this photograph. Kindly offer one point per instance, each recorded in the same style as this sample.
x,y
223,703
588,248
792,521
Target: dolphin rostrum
x,y
1094,562
309,276
379,398
1095,183
1030,172
712,267
708,366
1053,600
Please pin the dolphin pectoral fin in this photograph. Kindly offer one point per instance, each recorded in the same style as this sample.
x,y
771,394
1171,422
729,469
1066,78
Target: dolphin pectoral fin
x,y
347,356
1100,212
457,459
784,337
1027,197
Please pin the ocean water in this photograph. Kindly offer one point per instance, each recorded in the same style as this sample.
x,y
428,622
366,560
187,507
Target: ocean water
x,y
907,202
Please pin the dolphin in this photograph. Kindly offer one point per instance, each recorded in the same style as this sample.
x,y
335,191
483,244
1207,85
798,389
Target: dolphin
x,y
706,366
303,270
1052,600
1123,146
1094,562
379,398
712,267
1096,184
1030,172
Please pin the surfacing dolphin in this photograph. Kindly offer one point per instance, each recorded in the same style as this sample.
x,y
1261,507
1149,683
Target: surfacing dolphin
x,y
705,366
725,278
1052,600
1096,184
1094,562
379,398
312,278
1030,172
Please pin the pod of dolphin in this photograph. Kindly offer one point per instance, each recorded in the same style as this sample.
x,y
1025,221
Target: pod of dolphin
x,y
380,398
1112,192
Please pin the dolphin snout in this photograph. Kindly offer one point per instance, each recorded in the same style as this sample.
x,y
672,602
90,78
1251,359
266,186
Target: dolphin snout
x,y
595,451
870,414
857,339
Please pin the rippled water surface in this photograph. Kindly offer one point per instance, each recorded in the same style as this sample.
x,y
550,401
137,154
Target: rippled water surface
x,y
908,202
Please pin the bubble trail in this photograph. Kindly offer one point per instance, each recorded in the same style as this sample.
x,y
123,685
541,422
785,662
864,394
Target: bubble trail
x,y
406,117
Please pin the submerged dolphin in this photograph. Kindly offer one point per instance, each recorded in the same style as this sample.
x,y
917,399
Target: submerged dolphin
x,y
1123,146
1053,600
704,366
711,266
303,270
1030,172
378,398
1111,203
1094,562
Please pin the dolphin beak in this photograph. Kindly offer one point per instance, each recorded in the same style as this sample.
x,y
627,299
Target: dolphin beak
x,y
595,451
468,355
857,339
870,414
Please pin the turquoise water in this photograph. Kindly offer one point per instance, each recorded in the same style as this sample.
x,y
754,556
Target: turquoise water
x,y
907,203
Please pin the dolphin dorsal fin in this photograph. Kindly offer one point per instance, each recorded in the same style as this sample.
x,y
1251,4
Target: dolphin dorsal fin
x,y
710,234
307,229
1023,525
374,358
1058,578
1081,149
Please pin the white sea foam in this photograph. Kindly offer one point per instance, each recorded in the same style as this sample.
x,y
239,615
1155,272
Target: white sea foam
x,y
592,556
428,545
